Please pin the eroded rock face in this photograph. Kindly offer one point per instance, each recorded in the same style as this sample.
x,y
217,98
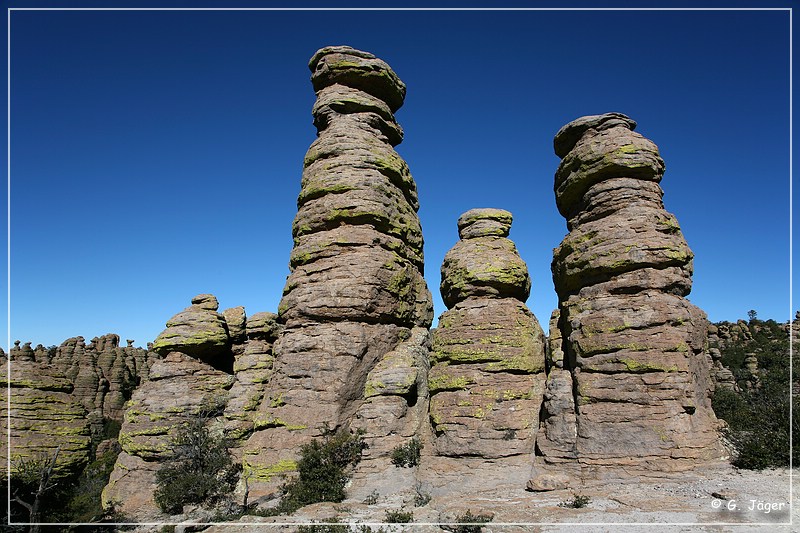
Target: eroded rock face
x,y
634,363
189,381
198,331
44,416
252,369
356,307
487,376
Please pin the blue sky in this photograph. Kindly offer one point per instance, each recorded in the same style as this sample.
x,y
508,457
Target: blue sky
x,y
157,154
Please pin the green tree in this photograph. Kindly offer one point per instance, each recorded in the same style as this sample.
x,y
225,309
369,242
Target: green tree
x,y
200,471
323,470
758,416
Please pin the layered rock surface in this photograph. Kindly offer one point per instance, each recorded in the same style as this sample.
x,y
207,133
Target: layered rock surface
x,y
185,383
44,416
356,307
487,375
635,372
63,396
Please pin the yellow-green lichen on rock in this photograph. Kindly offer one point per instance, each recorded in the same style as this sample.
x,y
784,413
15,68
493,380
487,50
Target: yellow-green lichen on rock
x,y
488,354
632,388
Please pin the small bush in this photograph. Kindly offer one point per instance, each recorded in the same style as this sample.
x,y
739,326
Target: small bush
x,y
323,470
421,498
407,454
578,501
399,517
469,523
372,499
200,471
333,526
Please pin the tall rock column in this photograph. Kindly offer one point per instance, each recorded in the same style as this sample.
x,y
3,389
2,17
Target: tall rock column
x,y
633,344
488,356
356,290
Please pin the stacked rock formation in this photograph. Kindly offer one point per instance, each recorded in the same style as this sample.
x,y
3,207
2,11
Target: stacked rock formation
x,y
44,416
186,382
488,359
633,345
356,288
104,373
252,368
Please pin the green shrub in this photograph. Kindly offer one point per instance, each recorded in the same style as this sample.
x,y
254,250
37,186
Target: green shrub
x,y
469,523
323,470
421,497
399,517
200,471
758,416
407,454
578,501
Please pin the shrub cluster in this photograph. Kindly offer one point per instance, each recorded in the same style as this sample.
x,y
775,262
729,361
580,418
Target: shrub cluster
x,y
200,471
468,523
758,416
399,517
323,470
407,454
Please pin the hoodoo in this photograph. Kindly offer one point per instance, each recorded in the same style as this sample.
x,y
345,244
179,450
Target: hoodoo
x,y
356,308
632,386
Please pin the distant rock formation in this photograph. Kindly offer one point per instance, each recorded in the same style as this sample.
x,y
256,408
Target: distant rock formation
x,y
636,374
488,358
104,374
356,292
721,376
63,397
44,416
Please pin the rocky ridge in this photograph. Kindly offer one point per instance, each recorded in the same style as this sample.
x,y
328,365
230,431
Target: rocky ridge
x,y
62,399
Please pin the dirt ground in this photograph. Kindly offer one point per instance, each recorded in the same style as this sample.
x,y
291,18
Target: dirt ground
x,y
720,498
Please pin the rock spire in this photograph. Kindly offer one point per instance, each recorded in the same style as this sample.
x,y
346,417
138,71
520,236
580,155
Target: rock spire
x,y
355,305
633,386
487,377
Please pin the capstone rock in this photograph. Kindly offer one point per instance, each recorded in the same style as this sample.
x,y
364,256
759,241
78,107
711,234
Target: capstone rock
x,y
199,331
